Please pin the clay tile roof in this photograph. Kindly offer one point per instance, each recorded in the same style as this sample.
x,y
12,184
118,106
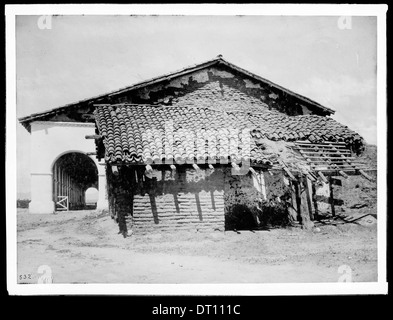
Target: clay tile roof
x,y
147,133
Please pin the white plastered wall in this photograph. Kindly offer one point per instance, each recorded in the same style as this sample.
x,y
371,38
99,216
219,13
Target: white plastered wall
x,y
49,141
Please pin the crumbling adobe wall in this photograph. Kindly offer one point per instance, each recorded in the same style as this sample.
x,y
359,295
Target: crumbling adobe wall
x,y
248,208
357,194
219,88
184,199
279,198
241,202
322,198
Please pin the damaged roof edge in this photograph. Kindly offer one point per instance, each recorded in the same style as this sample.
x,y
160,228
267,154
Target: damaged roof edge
x,y
217,60
272,84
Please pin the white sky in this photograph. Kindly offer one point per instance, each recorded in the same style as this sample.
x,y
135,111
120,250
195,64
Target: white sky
x,y
84,56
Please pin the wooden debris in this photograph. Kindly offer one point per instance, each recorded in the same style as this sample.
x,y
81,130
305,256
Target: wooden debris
x,y
173,167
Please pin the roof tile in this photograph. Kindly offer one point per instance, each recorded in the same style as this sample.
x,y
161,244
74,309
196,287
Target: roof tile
x,y
139,133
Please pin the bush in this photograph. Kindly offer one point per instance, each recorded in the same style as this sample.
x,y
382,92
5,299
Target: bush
x,y
273,213
240,217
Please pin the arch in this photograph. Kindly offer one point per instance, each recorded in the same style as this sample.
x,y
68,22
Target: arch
x,y
73,172
70,151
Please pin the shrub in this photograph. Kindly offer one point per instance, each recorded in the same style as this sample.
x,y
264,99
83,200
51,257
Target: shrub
x,y
273,214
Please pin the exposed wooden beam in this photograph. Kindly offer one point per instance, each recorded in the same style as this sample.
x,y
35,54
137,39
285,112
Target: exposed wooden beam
x,y
253,171
93,136
342,173
173,167
310,177
311,144
366,175
196,167
289,174
235,166
115,170
91,153
88,116
322,177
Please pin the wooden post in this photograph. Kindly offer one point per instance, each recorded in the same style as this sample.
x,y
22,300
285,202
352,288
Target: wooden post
x,y
67,181
293,209
58,183
331,197
304,207
54,182
308,185
314,201
61,176
296,185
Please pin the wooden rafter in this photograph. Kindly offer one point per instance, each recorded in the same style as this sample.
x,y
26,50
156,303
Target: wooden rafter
x,y
331,157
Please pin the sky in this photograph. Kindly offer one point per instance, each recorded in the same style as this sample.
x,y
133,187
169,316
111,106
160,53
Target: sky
x,y
83,56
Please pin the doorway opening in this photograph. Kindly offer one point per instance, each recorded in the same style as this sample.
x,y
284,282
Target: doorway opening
x,y
73,174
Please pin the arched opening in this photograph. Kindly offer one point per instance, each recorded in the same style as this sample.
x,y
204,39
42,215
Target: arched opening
x,y
73,174
91,196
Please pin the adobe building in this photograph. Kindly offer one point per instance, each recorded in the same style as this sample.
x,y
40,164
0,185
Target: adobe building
x,y
203,148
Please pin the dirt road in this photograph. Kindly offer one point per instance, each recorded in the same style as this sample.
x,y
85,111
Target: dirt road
x,y
80,247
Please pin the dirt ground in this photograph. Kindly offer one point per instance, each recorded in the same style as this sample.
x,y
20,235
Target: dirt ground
x,y
81,247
